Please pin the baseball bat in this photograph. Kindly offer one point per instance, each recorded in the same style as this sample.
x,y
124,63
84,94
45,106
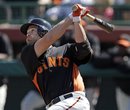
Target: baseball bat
x,y
101,23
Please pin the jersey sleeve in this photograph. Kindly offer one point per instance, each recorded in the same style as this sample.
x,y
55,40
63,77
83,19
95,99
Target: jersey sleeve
x,y
81,52
29,59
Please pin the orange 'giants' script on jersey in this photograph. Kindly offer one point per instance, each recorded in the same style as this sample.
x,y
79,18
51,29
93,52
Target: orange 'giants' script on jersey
x,y
58,61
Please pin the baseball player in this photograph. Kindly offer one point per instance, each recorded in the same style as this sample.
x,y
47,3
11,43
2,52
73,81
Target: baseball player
x,y
54,70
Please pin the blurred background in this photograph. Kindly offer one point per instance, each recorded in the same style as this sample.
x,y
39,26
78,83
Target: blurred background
x,y
106,77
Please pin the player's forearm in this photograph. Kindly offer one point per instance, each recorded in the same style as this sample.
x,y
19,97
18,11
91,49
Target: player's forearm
x,y
79,33
54,34
59,29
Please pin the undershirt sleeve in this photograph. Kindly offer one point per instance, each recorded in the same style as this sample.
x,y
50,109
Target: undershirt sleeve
x,y
82,53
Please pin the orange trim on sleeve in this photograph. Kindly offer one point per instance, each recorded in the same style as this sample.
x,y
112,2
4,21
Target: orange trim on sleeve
x,y
77,79
36,83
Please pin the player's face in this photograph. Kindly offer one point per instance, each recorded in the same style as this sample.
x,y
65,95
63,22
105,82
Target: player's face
x,y
32,35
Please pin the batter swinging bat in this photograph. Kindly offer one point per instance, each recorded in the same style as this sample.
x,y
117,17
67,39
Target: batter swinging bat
x,y
101,23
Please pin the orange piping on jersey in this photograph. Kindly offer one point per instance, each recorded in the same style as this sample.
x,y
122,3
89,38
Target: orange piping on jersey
x,y
74,103
35,83
77,79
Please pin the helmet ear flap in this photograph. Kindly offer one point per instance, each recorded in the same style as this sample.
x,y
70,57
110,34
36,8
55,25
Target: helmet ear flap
x,y
41,32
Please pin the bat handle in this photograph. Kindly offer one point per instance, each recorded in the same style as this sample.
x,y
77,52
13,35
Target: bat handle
x,y
91,17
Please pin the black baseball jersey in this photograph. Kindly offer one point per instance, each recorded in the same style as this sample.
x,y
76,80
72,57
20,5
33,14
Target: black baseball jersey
x,y
56,72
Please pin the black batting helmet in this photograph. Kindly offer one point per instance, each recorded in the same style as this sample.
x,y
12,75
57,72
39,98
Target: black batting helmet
x,y
42,24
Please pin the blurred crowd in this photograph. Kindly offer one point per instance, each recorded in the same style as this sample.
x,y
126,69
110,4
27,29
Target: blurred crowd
x,y
116,56
104,9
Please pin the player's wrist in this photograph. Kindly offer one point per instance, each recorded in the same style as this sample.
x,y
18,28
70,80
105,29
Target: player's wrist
x,y
77,19
77,14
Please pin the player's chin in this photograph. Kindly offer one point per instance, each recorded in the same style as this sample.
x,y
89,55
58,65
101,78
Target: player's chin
x,y
29,42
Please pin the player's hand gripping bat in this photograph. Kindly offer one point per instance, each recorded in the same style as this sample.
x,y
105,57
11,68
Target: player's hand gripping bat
x,y
101,23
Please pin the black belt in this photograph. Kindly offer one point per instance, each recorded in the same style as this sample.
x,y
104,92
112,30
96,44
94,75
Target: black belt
x,y
57,99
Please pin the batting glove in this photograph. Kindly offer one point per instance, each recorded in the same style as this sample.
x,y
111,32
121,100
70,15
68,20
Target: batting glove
x,y
79,13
